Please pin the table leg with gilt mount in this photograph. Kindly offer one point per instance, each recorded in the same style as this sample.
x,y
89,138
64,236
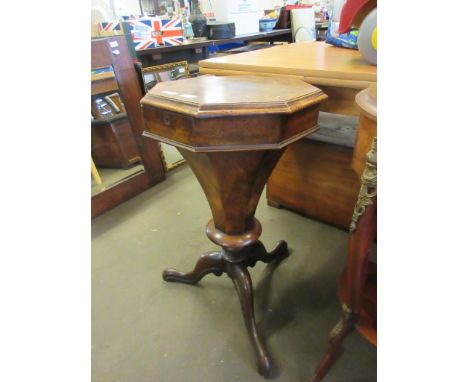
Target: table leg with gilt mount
x,y
358,284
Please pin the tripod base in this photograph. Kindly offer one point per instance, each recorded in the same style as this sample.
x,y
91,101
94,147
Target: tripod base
x,y
234,264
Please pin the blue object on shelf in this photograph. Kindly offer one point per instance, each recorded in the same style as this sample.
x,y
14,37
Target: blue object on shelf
x,y
223,47
267,25
344,40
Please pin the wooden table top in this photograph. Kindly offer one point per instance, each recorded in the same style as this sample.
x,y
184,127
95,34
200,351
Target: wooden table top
x,y
231,114
315,62
241,95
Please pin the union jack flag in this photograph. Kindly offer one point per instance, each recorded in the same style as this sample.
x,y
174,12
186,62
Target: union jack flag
x,y
108,26
151,32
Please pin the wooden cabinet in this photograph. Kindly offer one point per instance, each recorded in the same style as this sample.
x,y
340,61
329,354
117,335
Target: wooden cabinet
x,y
315,179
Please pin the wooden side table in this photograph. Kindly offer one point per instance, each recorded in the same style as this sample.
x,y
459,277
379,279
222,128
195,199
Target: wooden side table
x,y
358,284
232,131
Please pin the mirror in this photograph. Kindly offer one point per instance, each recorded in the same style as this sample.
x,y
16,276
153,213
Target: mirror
x,y
114,151
160,73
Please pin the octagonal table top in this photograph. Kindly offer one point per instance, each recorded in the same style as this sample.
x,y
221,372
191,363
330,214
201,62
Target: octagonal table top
x,y
233,95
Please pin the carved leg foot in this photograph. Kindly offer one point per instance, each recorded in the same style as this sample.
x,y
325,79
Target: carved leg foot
x,y
211,262
241,279
337,335
259,253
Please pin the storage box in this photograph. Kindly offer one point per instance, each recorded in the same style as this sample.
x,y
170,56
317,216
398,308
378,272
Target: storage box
x,y
151,32
244,13
218,30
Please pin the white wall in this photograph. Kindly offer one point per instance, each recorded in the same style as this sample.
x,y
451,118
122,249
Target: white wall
x,y
104,10
260,5
127,7
270,4
267,4
101,10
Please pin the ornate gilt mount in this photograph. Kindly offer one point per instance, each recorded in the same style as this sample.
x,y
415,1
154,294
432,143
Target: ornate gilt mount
x,y
368,188
343,325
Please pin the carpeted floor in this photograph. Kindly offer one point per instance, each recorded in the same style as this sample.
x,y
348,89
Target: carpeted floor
x,y
144,329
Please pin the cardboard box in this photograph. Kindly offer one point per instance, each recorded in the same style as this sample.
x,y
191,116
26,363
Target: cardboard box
x,y
244,13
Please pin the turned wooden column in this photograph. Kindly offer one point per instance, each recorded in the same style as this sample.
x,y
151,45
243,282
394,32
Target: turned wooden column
x,y
232,131
358,284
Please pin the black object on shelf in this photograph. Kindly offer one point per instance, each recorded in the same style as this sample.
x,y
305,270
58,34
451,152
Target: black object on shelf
x,y
198,20
218,30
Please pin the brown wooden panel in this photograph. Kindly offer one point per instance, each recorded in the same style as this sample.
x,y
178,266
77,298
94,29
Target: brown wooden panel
x,y
104,86
340,100
316,179
131,94
119,193
124,135
100,54
113,145
364,137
